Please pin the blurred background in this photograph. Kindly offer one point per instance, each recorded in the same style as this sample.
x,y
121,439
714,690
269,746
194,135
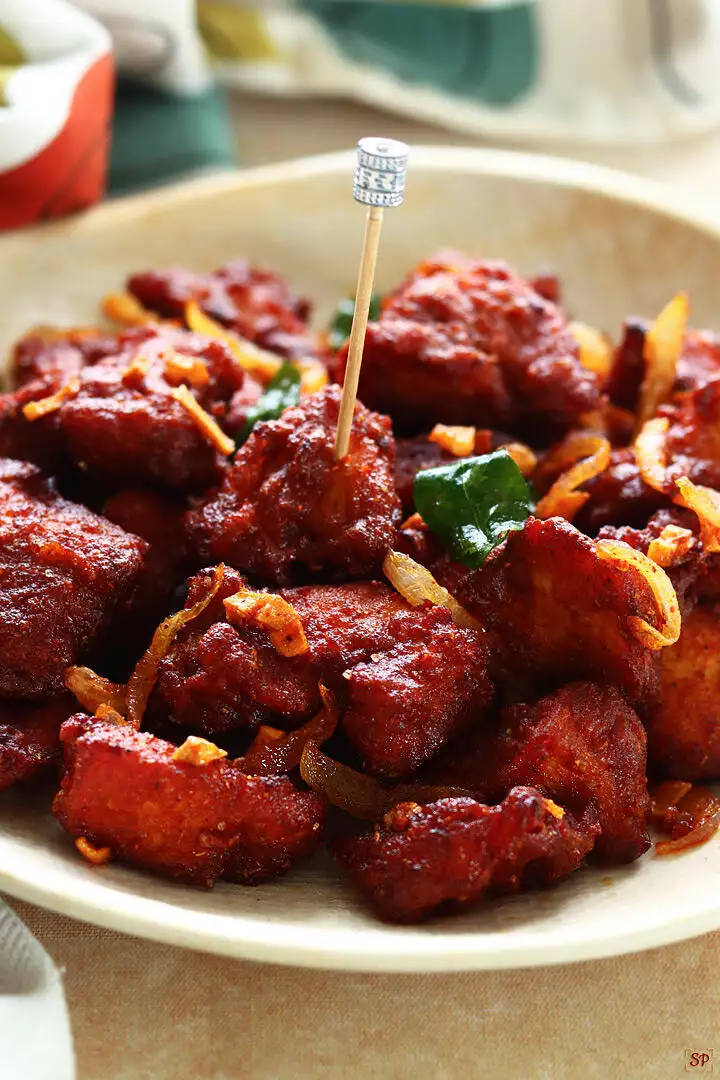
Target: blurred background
x,y
113,96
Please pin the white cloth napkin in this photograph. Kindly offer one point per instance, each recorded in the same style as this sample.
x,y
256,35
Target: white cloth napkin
x,y
35,1039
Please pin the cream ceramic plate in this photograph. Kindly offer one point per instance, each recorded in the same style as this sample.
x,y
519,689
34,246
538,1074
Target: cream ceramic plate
x,y
621,248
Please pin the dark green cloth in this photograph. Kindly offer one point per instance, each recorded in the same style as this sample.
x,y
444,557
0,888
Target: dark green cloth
x,y
489,56
159,137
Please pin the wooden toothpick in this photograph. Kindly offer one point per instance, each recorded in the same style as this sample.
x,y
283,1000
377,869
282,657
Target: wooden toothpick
x,y
380,172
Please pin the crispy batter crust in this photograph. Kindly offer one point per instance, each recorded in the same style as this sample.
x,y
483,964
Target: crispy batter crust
x,y
403,705
123,789
452,852
287,510
466,342
30,737
583,747
684,730
257,304
63,570
558,612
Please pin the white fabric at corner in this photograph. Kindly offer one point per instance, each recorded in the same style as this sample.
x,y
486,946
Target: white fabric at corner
x,y
35,1040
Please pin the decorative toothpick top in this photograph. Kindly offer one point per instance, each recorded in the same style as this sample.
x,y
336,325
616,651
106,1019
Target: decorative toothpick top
x,y
380,170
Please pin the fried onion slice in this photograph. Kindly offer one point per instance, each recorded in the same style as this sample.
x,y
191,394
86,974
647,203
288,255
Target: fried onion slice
x,y
270,613
93,691
125,309
257,362
629,560
144,676
416,584
203,420
705,502
596,353
523,457
275,752
689,813
661,352
591,454
650,453
35,409
359,795
313,374
190,369
459,441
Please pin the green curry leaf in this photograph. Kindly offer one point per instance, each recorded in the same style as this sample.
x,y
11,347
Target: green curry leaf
x,y
282,392
473,504
341,322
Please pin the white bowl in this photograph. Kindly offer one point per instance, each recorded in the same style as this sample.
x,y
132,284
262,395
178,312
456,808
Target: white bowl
x,y
622,247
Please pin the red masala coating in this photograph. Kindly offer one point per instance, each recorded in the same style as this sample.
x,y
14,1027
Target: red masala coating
x,y
684,730
549,286
558,612
468,342
618,496
63,571
583,747
224,679
54,355
30,737
693,439
158,519
221,677
195,823
403,705
257,304
412,456
452,852
124,424
38,442
287,510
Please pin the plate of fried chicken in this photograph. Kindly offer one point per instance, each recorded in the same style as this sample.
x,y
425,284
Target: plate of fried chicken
x,y
452,701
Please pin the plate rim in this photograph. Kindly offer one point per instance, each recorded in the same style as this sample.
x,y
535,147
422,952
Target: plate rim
x,y
630,188
261,940
265,941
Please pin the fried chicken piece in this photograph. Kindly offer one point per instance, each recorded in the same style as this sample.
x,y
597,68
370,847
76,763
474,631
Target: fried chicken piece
x,y
122,419
403,705
583,747
548,285
221,677
469,342
127,790
618,496
287,510
558,612
453,852
158,519
692,444
54,355
684,730
256,304
30,737
699,359
64,570
223,680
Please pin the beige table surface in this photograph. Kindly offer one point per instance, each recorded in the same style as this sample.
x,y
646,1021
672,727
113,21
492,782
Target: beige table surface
x,y
142,1011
